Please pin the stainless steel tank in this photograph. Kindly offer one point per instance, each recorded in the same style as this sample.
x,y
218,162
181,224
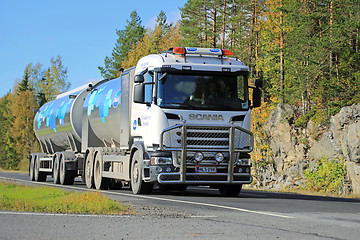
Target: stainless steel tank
x,y
57,124
103,108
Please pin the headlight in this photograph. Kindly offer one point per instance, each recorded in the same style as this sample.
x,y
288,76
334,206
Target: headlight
x,y
219,157
161,161
198,156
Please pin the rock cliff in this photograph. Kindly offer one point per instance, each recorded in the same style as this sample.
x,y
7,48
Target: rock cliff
x,y
293,149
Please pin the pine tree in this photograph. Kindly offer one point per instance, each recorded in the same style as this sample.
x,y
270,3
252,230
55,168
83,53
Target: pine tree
x,y
195,24
52,81
163,37
127,38
4,129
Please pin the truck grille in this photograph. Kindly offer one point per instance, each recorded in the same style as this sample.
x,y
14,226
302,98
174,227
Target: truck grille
x,y
206,138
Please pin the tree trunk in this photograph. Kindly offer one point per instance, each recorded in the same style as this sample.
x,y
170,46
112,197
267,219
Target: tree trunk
x,y
214,26
223,26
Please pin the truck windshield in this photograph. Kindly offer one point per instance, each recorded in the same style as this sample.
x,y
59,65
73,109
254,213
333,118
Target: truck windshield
x,y
203,92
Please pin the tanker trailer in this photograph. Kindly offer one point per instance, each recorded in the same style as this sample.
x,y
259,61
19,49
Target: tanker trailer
x,y
179,118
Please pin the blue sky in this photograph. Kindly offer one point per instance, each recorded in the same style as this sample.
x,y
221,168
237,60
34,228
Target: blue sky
x,y
82,32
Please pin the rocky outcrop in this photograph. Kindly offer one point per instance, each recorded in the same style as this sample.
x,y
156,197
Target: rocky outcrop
x,y
293,149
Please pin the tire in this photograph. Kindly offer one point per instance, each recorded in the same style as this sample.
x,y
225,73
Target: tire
x,y
38,176
230,190
138,186
89,170
31,168
99,181
66,177
56,169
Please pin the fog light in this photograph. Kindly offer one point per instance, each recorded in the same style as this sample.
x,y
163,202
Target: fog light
x,y
247,170
161,161
199,156
245,162
159,169
240,170
219,157
168,169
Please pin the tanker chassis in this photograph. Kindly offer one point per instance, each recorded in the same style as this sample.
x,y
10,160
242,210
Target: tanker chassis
x,y
179,118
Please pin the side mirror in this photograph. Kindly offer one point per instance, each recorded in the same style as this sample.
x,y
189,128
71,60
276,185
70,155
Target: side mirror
x,y
139,79
259,83
256,98
139,93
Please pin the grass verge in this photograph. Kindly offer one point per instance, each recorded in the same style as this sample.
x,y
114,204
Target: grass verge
x,y
53,200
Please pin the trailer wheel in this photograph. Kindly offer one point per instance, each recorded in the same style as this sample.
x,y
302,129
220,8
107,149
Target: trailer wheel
x,y
230,190
138,186
38,176
99,181
66,177
31,168
56,169
89,169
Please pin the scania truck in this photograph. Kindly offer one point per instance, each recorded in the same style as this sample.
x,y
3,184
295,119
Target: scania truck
x,y
179,118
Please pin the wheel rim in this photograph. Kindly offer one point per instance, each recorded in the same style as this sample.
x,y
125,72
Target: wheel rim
x,y
97,172
32,169
56,170
136,172
36,170
88,173
62,172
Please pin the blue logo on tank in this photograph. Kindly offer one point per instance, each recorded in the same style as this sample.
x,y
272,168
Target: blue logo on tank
x,y
49,115
134,124
117,99
103,100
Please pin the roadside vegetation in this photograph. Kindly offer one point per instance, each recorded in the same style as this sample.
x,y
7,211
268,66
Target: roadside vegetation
x,y
51,200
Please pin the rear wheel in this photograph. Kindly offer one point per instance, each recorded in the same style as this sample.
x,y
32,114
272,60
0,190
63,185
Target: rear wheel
x,y
99,181
230,190
138,186
56,169
67,177
89,169
38,176
31,168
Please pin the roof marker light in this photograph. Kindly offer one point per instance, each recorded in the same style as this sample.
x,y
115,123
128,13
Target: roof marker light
x,y
179,50
227,52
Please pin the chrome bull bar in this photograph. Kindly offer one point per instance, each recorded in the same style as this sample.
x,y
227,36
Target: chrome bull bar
x,y
186,137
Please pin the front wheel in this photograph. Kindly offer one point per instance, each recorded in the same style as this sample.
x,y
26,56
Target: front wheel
x,y
138,186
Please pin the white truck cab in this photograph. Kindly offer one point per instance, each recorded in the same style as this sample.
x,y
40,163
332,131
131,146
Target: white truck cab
x,y
192,114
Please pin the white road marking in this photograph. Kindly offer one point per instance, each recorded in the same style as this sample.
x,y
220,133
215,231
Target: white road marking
x,y
203,216
161,199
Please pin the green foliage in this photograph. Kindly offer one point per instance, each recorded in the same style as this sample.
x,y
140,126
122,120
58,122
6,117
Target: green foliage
x,y
17,139
52,200
128,37
53,80
326,177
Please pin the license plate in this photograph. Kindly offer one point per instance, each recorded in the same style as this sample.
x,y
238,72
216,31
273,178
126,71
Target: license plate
x,y
205,169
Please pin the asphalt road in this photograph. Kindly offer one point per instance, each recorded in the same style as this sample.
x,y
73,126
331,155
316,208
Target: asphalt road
x,y
198,213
